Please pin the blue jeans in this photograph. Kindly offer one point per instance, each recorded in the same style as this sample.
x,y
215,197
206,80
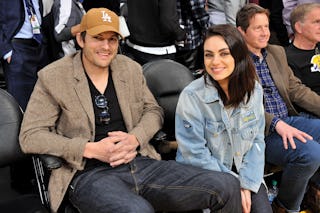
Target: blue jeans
x,y
147,185
298,165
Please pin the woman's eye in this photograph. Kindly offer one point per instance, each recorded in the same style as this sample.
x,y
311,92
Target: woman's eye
x,y
225,53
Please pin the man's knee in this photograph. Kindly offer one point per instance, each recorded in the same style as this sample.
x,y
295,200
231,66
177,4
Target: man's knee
x,y
225,184
135,205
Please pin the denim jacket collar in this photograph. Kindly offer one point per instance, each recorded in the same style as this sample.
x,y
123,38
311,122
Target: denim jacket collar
x,y
210,95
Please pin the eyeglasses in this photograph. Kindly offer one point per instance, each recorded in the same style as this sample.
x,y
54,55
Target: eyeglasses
x,y
102,103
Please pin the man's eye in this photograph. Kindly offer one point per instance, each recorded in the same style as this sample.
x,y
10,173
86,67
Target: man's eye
x,y
98,38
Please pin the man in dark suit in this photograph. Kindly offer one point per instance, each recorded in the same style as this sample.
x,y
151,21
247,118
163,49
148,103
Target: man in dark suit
x,y
22,56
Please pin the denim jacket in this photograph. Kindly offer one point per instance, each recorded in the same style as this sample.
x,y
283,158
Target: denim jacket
x,y
210,137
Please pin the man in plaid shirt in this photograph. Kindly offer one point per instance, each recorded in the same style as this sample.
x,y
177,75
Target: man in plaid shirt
x,y
194,19
292,140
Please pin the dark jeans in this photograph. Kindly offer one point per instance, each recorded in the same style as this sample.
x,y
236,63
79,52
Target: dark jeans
x,y
260,202
192,59
147,185
299,165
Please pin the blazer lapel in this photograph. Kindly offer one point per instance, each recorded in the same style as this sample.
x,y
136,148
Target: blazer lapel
x,y
82,88
276,75
122,90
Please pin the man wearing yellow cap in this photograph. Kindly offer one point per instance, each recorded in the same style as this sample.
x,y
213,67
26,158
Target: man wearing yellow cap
x,y
94,110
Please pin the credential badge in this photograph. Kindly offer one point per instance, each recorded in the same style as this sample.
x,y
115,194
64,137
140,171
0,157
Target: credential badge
x,y
105,16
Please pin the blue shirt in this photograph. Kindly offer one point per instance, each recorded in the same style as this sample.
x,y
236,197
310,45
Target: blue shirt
x,y
273,102
26,29
214,137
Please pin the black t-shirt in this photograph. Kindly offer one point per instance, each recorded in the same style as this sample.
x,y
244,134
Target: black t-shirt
x,y
116,122
306,65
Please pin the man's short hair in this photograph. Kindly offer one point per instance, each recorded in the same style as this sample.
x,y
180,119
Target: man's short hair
x,y
245,14
299,12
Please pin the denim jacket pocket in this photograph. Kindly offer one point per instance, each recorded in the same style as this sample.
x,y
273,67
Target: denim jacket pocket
x,y
249,132
248,135
217,134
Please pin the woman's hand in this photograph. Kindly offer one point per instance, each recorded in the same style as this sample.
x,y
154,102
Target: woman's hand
x,y
246,200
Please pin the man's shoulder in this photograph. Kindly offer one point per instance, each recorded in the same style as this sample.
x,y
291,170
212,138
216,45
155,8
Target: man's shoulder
x,y
274,48
123,63
276,51
58,67
120,58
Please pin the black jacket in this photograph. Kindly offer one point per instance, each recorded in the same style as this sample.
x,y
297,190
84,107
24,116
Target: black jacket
x,y
154,23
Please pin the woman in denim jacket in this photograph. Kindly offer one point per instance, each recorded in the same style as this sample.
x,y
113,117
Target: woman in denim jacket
x,y
220,117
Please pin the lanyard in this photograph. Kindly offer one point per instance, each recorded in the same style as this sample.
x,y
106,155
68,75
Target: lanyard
x,y
34,21
30,8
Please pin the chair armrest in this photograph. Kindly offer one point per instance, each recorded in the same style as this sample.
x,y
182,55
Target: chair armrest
x,y
163,144
160,136
50,162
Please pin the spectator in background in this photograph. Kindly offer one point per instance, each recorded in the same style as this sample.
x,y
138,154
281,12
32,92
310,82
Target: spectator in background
x,y
227,100
278,30
194,19
113,5
154,30
292,141
288,6
304,53
67,16
23,54
224,11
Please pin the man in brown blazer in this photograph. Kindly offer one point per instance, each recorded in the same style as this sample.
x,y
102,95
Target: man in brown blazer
x,y
300,159
94,110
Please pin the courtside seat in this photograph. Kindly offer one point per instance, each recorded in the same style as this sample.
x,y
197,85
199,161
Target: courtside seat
x,y
10,152
166,79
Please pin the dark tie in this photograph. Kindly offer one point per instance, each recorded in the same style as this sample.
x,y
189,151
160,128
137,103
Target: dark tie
x,y
34,21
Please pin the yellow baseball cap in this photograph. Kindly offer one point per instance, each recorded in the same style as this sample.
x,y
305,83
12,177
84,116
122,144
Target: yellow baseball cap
x,y
99,20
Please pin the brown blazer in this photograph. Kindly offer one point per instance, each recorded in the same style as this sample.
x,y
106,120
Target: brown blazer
x,y
59,119
290,87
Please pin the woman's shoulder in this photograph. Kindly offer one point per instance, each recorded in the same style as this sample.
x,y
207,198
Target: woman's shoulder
x,y
195,85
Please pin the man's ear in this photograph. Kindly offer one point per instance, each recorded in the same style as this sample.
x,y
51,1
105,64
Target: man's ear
x,y
241,31
298,27
79,40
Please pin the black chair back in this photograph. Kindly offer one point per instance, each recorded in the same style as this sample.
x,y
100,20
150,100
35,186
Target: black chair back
x,y
10,120
166,79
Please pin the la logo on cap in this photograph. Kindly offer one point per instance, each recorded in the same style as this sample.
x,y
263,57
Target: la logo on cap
x,y
105,16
